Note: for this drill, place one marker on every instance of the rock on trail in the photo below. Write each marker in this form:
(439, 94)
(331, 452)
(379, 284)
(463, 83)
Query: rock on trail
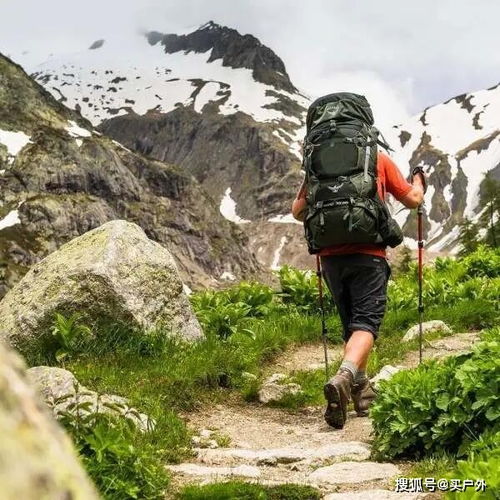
(427, 328)
(352, 473)
(61, 391)
(374, 495)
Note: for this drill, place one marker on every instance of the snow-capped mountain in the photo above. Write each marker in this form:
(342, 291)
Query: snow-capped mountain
(457, 142)
(214, 66)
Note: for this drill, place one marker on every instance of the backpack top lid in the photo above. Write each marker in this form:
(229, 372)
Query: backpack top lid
(339, 106)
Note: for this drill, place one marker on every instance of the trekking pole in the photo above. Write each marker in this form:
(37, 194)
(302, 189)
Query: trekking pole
(324, 330)
(420, 236)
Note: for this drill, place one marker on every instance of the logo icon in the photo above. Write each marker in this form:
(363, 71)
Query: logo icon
(335, 188)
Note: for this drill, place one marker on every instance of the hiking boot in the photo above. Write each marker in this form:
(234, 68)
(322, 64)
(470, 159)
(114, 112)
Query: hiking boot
(363, 395)
(338, 393)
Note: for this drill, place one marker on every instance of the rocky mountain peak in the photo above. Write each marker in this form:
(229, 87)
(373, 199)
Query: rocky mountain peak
(235, 50)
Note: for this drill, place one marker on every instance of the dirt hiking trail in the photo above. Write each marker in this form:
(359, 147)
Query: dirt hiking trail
(274, 446)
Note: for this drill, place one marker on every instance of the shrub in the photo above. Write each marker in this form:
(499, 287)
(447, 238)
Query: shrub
(485, 261)
(439, 407)
(483, 462)
(119, 469)
(259, 297)
(221, 312)
(300, 290)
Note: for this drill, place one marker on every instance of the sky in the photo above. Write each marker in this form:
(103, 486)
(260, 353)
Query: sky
(403, 55)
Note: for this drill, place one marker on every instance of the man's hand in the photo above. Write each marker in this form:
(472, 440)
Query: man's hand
(419, 185)
(418, 173)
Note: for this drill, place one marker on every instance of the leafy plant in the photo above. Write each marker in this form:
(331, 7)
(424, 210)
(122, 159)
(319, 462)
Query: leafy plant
(68, 333)
(483, 463)
(221, 312)
(484, 261)
(300, 290)
(440, 407)
(106, 447)
(259, 297)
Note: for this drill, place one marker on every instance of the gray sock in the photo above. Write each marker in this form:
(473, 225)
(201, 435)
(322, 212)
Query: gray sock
(350, 366)
(360, 376)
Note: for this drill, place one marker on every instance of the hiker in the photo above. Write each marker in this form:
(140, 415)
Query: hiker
(347, 224)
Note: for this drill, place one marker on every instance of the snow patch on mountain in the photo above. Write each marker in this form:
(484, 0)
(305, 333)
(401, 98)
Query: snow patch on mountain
(14, 142)
(277, 254)
(11, 219)
(285, 219)
(456, 142)
(228, 208)
(75, 130)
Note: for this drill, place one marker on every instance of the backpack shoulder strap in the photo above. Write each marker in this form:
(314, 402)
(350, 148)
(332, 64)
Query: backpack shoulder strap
(383, 142)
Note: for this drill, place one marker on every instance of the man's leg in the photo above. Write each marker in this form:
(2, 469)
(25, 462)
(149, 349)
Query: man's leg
(357, 351)
(358, 348)
(338, 394)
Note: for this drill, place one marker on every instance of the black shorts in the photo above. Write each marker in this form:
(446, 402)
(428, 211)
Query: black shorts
(358, 283)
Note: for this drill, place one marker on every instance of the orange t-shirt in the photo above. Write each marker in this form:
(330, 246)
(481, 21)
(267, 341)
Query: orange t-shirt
(389, 180)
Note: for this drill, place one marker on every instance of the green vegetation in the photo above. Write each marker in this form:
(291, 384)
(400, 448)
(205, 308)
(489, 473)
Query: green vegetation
(300, 290)
(246, 326)
(237, 490)
(483, 462)
(440, 407)
(68, 334)
(486, 230)
(118, 468)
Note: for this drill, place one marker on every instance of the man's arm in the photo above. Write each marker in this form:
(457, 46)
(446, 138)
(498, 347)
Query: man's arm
(299, 204)
(410, 195)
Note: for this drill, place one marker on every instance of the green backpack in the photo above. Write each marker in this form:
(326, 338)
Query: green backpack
(340, 162)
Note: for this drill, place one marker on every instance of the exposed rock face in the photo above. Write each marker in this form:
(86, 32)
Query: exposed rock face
(112, 273)
(220, 151)
(37, 458)
(235, 50)
(61, 391)
(66, 179)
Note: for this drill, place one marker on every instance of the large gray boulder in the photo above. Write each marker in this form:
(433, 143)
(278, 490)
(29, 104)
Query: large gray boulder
(37, 459)
(112, 273)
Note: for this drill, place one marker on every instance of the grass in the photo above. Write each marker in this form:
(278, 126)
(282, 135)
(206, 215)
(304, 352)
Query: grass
(162, 376)
(436, 466)
(238, 490)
